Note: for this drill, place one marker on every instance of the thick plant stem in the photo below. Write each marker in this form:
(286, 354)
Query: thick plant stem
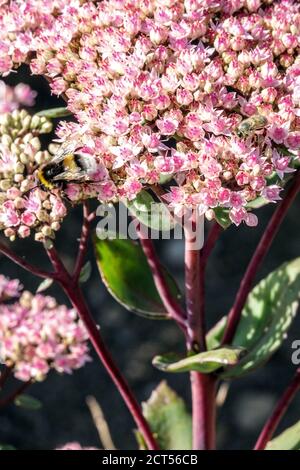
(260, 252)
(204, 410)
(75, 295)
(279, 411)
(194, 292)
(171, 304)
(202, 386)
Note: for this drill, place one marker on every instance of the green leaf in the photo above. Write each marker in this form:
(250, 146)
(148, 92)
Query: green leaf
(214, 336)
(222, 217)
(152, 214)
(169, 419)
(53, 113)
(6, 447)
(85, 273)
(288, 440)
(44, 285)
(270, 309)
(28, 402)
(205, 362)
(258, 203)
(125, 272)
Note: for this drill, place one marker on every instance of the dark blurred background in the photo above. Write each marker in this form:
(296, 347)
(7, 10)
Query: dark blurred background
(134, 341)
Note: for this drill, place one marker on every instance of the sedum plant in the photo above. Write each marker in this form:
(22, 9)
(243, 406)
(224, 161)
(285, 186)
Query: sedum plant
(184, 111)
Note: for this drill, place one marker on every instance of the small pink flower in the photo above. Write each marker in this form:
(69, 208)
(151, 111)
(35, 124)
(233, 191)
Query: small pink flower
(272, 193)
(278, 133)
(28, 218)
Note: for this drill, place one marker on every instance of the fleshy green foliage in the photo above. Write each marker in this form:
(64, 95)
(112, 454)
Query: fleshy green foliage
(288, 440)
(53, 113)
(258, 203)
(126, 274)
(222, 217)
(152, 214)
(28, 402)
(169, 419)
(205, 362)
(214, 336)
(266, 318)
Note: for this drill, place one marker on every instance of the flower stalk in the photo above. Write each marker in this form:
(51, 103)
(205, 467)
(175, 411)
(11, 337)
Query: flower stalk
(70, 285)
(278, 413)
(202, 386)
(258, 257)
(171, 304)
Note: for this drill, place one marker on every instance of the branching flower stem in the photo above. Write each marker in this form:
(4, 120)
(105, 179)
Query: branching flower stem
(70, 285)
(256, 261)
(84, 239)
(279, 411)
(24, 264)
(171, 304)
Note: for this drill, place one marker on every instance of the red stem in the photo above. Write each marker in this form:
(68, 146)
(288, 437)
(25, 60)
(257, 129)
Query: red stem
(172, 306)
(194, 291)
(204, 410)
(279, 411)
(203, 386)
(75, 295)
(260, 252)
(212, 238)
(73, 291)
(11, 398)
(24, 264)
(83, 244)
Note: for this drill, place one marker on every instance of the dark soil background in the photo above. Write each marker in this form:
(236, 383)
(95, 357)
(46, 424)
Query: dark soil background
(134, 341)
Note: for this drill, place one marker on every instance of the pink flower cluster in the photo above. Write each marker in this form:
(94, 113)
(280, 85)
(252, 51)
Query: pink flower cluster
(37, 335)
(161, 87)
(12, 98)
(24, 207)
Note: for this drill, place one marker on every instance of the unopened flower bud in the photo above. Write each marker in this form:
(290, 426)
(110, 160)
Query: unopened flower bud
(35, 122)
(5, 185)
(47, 231)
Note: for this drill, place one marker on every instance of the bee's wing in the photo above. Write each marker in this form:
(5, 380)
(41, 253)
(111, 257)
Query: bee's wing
(65, 149)
(72, 176)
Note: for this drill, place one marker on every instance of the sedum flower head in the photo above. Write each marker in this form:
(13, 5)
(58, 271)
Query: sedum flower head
(37, 334)
(24, 207)
(162, 87)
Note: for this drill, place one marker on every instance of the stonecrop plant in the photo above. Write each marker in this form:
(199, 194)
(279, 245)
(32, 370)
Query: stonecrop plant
(181, 110)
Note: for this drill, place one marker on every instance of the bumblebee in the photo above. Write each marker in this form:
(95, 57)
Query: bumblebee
(67, 166)
(253, 123)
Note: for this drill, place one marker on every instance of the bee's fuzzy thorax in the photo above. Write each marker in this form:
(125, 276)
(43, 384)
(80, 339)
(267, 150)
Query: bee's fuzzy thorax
(44, 182)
